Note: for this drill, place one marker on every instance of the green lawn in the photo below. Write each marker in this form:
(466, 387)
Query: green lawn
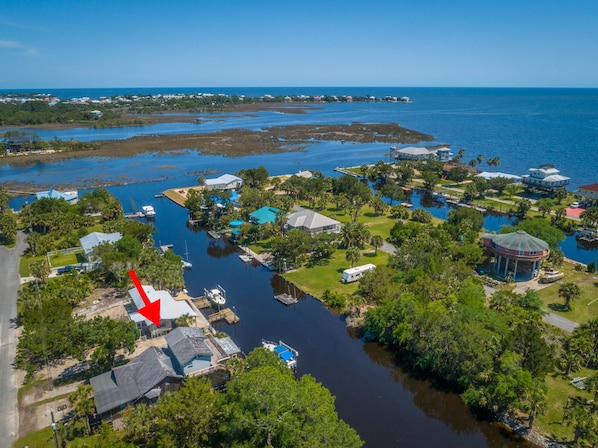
(583, 309)
(317, 279)
(559, 389)
(65, 259)
(37, 439)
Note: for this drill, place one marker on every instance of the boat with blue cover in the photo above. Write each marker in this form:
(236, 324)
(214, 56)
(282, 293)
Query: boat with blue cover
(284, 351)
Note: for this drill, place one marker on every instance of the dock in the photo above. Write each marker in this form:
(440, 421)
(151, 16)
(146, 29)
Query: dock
(285, 298)
(226, 314)
(133, 215)
(338, 169)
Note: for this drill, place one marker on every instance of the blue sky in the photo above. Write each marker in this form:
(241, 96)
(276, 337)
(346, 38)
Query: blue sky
(221, 43)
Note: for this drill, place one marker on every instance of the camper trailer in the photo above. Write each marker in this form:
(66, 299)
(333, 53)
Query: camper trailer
(354, 274)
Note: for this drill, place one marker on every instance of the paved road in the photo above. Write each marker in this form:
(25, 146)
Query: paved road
(561, 322)
(9, 283)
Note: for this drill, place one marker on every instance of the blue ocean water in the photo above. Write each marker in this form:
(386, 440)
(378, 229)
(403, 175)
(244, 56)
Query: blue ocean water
(523, 127)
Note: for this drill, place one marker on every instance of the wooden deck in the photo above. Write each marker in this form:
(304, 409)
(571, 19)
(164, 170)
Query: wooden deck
(226, 314)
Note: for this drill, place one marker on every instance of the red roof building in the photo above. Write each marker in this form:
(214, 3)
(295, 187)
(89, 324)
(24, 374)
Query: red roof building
(589, 191)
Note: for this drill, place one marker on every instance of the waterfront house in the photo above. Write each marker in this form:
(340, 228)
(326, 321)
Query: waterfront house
(264, 215)
(17, 143)
(517, 255)
(546, 178)
(189, 349)
(170, 311)
(143, 380)
(312, 222)
(487, 175)
(94, 239)
(68, 196)
(224, 182)
(589, 192)
(197, 354)
(420, 153)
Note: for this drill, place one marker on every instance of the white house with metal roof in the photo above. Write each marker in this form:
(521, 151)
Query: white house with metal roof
(89, 242)
(224, 182)
(547, 177)
(170, 310)
(312, 222)
(420, 153)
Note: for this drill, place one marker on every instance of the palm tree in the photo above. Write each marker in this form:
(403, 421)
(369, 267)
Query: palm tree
(83, 403)
(568, 292)
(480, 158)
(376, 241)
(353, 255)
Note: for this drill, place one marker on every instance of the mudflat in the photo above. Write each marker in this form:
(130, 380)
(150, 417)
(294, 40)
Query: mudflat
(237, 142)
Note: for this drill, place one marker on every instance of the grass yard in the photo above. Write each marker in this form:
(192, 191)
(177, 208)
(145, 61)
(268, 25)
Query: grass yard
(583, 309)
(559, 389)
(66, 259)
(37, 439)
(317, 279)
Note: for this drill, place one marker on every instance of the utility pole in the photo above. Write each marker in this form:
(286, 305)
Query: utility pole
(54, 428)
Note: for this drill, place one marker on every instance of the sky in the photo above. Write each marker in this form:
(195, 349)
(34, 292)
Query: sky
(234, 43)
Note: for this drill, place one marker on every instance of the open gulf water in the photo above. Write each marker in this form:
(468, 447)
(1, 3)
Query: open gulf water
(523, 127)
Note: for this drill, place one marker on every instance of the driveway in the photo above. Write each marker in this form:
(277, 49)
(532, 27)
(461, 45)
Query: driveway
(9, 283)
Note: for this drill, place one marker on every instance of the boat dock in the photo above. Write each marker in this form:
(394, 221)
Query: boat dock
(287, 299)
(133, 215)
(226, 314)
(338, 169)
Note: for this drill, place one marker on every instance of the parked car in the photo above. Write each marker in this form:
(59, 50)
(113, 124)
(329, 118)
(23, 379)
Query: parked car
(575, 204)
(69, 268)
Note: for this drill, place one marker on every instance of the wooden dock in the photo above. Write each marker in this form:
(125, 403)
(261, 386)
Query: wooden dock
(226, 314)
(133, 215)
(338, 169)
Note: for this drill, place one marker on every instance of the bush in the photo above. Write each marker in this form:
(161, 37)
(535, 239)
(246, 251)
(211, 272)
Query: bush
(334, 300)
(591, 267)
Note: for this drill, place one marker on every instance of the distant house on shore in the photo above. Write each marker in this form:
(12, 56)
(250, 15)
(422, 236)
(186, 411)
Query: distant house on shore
(589, 192)
(68, 196)
(224, 182)
(420, 153)
(312, 222)
(17, 143)
(546, 178)
(487, 175)
(264, 215)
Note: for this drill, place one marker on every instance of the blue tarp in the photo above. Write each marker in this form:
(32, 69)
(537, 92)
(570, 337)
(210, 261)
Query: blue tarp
(284, 353)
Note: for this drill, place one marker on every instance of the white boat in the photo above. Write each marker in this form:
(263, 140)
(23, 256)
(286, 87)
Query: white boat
(551, 275)
(186, 263)
(148, 211)
(217, 295)
(285, 352)
(246, 258)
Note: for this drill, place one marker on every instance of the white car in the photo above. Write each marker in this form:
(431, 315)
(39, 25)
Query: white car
(575, 205)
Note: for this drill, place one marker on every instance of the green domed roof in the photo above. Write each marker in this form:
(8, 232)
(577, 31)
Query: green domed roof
(519, 241)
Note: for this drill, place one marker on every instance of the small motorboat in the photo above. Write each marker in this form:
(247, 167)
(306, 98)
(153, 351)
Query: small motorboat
(148, 211)
(285, 352)
(551, 275)
(216, 295)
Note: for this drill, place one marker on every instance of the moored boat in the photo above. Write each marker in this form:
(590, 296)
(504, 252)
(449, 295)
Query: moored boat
(284, 351)
(148, 211)
(216, 295)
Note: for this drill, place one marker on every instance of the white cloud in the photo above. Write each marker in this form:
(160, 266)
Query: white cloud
(18, 47)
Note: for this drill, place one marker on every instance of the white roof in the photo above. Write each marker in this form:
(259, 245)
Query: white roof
(365, 267)
(310, 220)
(415, 150)
(491, 175)
(224, 179)
(169, 308)
(96, 238)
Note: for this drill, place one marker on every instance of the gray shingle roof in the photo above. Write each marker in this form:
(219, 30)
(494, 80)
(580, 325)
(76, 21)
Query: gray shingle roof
(132, 381)
(309, 220)
(519, 241)
(186, 343)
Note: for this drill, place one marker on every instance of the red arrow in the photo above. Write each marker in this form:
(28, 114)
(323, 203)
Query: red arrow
(151, 310)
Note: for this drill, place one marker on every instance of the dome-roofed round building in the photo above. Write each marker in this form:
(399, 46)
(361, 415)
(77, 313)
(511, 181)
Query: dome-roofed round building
(522, 253)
